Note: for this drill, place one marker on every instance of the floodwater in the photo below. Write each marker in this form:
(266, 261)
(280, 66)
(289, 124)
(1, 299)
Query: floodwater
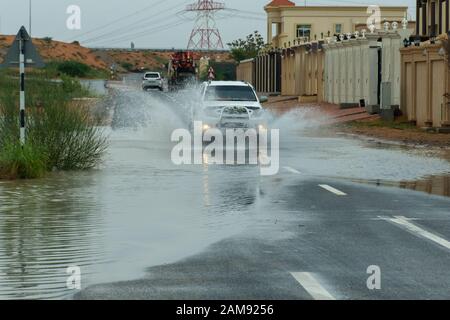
(139, 210)
(96, 86)
(437, 185)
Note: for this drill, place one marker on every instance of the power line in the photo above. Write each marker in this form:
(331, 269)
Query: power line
(145, 32)
(250, 18)
(239, 16)
(245, 12)
(152, 6)
(137, 36)
(129, 33)
(29, 18)
(135, 25)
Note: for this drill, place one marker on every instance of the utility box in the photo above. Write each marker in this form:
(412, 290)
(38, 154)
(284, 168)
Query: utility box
(386, 96)
(387, 110)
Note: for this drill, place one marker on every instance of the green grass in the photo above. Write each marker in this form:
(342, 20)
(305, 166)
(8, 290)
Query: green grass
(60, 133)
(22, 162)
(57, 69)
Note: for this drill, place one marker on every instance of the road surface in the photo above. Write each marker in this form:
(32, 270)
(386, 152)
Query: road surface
(140, 227)
(306, 236)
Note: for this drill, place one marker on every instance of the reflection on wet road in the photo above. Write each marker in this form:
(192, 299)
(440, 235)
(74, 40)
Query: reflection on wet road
(45, 226)
(140, 210)
(437, 185)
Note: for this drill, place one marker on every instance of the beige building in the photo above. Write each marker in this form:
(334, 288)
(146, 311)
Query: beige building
(425, 85)
(432, 17)
(287, 22)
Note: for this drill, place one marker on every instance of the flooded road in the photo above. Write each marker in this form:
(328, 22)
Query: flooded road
(140, 210)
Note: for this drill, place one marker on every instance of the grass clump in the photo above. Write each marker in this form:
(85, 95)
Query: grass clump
(74, 69)
(60, 132)
(21, 162)
(127, 66)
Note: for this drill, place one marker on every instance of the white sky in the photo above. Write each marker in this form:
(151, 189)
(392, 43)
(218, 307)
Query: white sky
(155, 21)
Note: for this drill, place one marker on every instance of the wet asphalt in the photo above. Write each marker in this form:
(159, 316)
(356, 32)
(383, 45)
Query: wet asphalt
(140, 227)
(305, 229)
(305, 220)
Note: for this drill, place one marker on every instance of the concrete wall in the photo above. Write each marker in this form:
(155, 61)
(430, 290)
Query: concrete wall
(302, 71)
(352, 69)
(425, 85)
(245, 71)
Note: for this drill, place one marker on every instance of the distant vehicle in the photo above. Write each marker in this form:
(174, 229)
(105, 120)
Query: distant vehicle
(230, 104)
(182, 70)
(152, 80)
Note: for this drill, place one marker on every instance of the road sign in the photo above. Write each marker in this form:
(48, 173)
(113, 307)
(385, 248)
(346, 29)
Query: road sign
(32, 57)
(23, 54)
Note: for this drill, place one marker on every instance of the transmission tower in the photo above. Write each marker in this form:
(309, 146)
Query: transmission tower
(205, 35)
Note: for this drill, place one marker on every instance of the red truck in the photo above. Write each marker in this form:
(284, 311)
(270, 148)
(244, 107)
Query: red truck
(182, 69)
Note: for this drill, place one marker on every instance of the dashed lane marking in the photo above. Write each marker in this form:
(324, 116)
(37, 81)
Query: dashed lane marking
(312, 286)
(405, 223)
(332, 190)
(292, 170)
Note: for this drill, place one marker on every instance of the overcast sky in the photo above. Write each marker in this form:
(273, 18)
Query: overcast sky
(148, 23)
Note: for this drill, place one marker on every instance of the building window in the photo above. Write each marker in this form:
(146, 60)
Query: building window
(303, 30)
(338, 28)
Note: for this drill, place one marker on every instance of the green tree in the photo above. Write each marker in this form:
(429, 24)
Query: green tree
(248, 48)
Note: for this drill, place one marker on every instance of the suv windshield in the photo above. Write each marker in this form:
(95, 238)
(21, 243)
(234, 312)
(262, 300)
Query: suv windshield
(230, 93)
(152, 76)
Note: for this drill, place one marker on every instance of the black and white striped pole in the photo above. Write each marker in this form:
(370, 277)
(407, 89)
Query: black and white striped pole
(22, 91)
(24, 49)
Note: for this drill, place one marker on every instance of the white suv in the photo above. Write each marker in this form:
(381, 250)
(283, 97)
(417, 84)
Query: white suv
(152, 80)
(230, 104)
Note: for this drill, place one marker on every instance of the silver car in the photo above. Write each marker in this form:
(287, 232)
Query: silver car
(230, 104)
(152, 80)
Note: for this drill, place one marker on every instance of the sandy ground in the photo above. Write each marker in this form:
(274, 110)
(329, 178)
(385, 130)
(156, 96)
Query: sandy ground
(56, 50)
(410, 137)
(100, 59)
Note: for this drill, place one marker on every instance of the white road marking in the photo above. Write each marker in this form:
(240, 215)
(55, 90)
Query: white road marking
(332, 190)
(292, 170)
(310, 284)
(386, 218)
(403, 222)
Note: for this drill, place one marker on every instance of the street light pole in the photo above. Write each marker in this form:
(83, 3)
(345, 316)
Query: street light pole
(29, 18)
